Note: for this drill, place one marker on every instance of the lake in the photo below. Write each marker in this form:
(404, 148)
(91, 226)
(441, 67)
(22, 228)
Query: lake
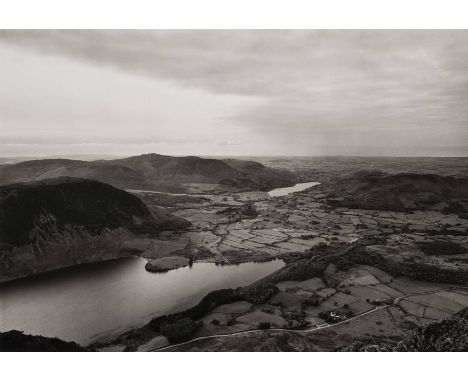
(289, 190)
(89, 301)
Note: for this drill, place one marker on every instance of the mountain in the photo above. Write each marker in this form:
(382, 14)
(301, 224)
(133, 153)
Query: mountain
(154, 172)
(267, 177)
(179, 169)
(399, 192)
(60, 222)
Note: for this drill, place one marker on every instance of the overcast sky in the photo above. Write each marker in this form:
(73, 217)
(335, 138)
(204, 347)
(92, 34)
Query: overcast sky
(399, 93)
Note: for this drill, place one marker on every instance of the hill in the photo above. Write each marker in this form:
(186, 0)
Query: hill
(399, 192)
(267, 177)
(450, 335)
(118, 176)
(16, 341)
(154, 172)
(60, 222)
(33, 169)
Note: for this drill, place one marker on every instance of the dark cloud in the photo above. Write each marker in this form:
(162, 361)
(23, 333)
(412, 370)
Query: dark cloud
(401, 91)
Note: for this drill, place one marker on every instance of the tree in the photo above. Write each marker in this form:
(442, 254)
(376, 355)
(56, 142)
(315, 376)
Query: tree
(264, 325)
(249, 209)
(180, 329)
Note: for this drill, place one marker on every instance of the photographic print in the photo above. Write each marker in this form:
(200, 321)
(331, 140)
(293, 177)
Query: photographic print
(233, 190)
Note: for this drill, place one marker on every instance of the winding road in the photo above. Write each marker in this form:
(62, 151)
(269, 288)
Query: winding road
(310, 330)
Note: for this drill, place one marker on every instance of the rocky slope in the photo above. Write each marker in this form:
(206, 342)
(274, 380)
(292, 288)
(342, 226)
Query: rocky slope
(65, 221)
(153, 172)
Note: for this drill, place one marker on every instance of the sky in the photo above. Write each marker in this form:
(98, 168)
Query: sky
(238, 92)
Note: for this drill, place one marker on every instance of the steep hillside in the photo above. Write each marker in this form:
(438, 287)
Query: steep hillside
(64, 221)
(153, 172)
(266, 177)
(398, 192)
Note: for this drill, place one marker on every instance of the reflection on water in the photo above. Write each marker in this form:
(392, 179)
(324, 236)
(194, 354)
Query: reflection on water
(289, 190)
(87, 301)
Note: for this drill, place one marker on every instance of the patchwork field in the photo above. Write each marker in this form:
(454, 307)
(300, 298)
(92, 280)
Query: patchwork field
(351, 274)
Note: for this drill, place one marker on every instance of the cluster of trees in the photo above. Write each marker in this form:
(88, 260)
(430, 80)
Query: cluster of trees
(179, 330)
(378, 302)
(299, 270)
(457, 208)
(343, 264)
(414, 270)
(180, 326)
(208, 303)
(313, 300)
(264, 325)
(259, 293)
(334, 316)
(249, 209)
(441, 247)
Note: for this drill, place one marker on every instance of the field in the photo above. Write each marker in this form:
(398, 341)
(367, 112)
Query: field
(384, 273)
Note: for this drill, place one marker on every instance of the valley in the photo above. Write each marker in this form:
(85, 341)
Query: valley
(366, 261)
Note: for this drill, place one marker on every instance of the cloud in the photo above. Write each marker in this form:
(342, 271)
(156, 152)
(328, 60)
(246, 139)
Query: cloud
(316, 92)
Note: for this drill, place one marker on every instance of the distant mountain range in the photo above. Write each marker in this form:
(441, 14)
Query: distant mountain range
(154, 172)
(60, 222)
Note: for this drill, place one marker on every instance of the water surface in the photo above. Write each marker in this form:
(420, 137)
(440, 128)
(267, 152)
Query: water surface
(289, 190)
(89, 301)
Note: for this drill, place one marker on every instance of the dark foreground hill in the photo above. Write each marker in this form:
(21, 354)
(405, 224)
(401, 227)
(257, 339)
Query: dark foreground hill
(449, 335)
(16, 341)
(399, 192)
(153, 172)
(65, 221)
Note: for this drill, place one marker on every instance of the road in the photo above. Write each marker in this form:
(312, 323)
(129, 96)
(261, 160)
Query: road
(310, 330)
